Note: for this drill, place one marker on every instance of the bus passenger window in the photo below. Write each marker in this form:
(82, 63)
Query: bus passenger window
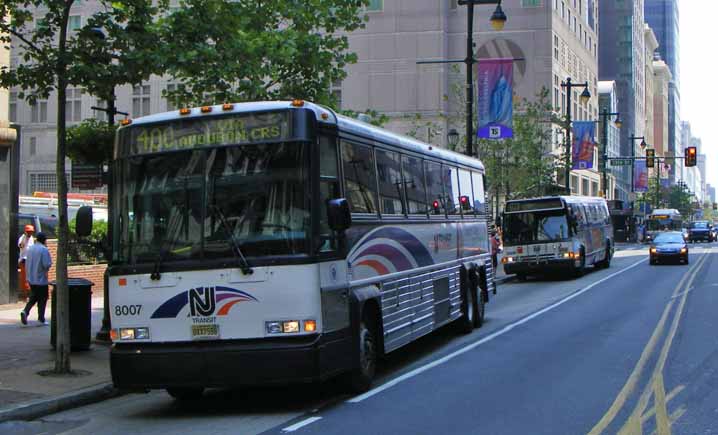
(328, 189)
(451, 187)
(434, 188)
(479, 202)
(359, 177)
(391, 186)
(413, 172)
(466, 191)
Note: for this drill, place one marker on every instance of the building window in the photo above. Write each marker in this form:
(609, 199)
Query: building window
(171, 87)
(555, 47)
(43, 182)
(140, 100)
(584, 187)
(73, 105)
(74, 22)
(453, 4)
(12, 110)
(375, 6)
(530, 3)
(336, 91)
(99, 114)
(574, 184)
(38, 111)
(33, 146)
(563, 10)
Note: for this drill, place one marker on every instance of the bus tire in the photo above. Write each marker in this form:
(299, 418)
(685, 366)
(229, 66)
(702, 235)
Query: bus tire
(185, 393)
(362, 376)
(467, 321)
(606, 262)
(578, 271)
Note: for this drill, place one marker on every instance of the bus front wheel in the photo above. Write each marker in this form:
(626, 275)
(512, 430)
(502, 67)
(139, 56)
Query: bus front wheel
(362, 375)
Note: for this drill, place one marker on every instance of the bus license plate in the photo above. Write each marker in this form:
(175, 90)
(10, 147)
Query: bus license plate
(205, 331)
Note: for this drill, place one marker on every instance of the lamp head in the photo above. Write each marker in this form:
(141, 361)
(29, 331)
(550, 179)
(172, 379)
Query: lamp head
(453, 137)
(643, 143)
(585, 96)
(618, 123)
(498, 18)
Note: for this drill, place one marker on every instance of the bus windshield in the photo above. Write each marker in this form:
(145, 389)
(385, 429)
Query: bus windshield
(203, 204)
(533, 227)
(662, 224)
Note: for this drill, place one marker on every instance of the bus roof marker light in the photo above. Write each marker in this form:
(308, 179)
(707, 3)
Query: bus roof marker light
(126, 121)
(297, 103)
(206, 109)
(324, 116)
(185, 111)
(227, 106)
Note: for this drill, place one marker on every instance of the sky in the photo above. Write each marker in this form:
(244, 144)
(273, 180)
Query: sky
(699, 68)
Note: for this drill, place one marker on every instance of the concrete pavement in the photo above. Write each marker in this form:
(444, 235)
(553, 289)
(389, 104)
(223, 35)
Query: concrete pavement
(25, 351)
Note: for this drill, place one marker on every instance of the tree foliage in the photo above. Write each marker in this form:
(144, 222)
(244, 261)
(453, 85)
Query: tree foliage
(90, 141)
(220, 51)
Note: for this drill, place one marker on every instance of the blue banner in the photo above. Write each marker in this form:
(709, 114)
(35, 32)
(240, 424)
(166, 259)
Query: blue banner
(640, 176)
(583, 144)
(495, 79)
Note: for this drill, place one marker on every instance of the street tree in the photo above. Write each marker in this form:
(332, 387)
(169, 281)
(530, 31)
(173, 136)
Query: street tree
(219, 51)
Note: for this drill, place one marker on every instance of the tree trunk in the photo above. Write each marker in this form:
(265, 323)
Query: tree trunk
(62, 350)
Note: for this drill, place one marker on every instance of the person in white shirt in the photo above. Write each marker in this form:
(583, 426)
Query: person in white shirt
(38, 263)
(24, 243)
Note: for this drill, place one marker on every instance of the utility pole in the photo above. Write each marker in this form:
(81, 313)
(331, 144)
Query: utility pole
(605, 114)
(585, 96)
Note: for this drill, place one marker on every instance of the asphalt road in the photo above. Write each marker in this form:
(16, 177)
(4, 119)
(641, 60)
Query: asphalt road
(629, 349)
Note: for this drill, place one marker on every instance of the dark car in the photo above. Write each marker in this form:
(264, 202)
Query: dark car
(700, 231)
(668, 246)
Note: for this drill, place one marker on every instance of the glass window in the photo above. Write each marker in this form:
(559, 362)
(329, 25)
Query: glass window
(540, 226)
(359, 177)
(328, 189)
(375, 5)
(391, 186)
(477, 180)
(140, 100)
(434, 188)
(74, 22)
(257, 200)
(466, 191)
(451, 187)
(413, 172)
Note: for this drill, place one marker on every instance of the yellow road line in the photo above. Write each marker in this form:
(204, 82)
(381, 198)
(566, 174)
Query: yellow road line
(673, 393)
(635, 375)
(663, 426)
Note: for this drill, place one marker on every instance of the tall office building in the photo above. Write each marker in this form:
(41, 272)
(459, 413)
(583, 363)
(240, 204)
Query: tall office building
(550, 40)
(621, 54)
(619, 178)
(663, 17)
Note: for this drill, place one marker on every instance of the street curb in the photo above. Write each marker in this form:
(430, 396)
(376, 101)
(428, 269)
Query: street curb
(42, 407)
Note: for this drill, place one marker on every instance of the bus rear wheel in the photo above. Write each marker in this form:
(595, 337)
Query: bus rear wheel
(467, 321)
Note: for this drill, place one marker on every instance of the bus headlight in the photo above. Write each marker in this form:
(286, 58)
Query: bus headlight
(653, 250)
(684, 250)
(282, 326)
(134, 333)
(507, 260)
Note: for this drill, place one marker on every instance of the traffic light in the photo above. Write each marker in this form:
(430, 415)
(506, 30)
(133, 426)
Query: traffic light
(691, 156)
(650, 157)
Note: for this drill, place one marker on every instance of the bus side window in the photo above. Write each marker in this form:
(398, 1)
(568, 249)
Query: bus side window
(391, 186)
(479, 200)
(359, 177)
(328, 189)
(434, 188)
(466, 197)
(451, 188)
(413, 172)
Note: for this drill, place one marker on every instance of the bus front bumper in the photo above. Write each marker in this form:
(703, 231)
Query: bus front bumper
(143, 366)
(528, 267)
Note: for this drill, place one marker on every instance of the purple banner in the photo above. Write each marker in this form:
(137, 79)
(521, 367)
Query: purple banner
(583, 144)
(495, 98)
(640, 176)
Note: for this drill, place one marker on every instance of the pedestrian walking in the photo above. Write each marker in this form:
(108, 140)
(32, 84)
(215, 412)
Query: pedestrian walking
(38, 263)
(24, 242)
(495, 242)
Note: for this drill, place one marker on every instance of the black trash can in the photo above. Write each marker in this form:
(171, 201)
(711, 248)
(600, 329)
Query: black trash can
(80, 313)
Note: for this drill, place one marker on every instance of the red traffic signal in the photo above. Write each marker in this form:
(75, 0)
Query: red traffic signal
(650, 157)
(435, 205)
(691, 156)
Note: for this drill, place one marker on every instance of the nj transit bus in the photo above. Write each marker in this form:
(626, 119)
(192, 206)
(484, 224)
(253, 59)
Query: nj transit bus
(277, 242)
(556, 233)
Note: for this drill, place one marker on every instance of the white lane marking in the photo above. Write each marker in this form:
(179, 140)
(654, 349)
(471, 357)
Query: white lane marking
(301, 424)
(488, 338)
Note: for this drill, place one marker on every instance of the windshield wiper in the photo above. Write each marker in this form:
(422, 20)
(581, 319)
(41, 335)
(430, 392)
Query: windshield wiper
(155, 275)
(243, 263)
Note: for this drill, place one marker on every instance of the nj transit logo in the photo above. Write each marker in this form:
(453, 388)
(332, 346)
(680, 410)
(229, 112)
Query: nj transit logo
(203, 302)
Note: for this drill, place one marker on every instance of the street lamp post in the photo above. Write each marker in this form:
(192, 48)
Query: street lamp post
(605, 114)
(633, 139)
(585, 96)
(498, 19)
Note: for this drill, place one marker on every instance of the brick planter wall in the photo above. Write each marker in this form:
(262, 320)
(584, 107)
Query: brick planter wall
(92, 272)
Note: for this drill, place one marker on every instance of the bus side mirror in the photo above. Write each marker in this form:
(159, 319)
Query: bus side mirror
(83, 221)
(338, 214)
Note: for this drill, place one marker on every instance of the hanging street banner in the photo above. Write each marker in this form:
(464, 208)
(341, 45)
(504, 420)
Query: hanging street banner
(583, 144)
(640, 176)
(495, 98)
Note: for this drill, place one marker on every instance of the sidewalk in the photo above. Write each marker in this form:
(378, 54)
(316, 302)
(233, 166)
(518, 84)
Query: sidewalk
(25, 350)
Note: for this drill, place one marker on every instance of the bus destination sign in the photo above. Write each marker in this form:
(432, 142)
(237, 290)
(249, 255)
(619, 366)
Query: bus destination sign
(202, 132)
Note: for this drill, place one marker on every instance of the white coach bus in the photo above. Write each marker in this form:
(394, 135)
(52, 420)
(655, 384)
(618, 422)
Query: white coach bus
(565, 233)
(278, 242)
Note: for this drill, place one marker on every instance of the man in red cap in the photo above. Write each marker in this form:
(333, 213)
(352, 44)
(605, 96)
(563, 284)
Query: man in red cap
(25, 241)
